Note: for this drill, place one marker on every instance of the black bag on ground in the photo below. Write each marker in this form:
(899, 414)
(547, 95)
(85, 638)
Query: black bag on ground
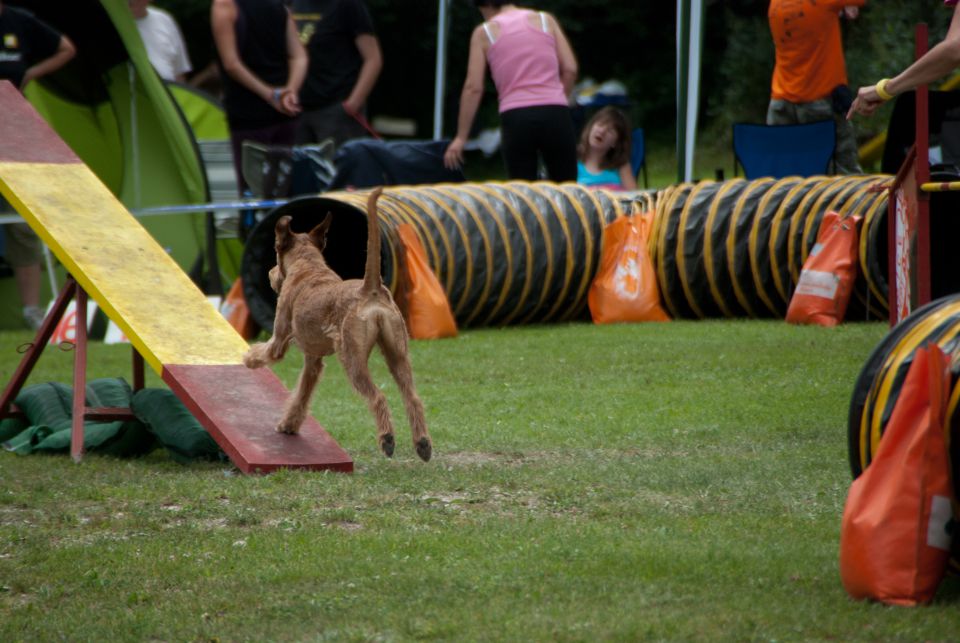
(367, 162)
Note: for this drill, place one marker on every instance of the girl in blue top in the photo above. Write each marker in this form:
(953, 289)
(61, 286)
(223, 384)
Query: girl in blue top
(604, 152)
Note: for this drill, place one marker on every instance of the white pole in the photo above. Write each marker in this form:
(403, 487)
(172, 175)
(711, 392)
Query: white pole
(681, 97)
(693, 84)
(48, 260)
(443, 25)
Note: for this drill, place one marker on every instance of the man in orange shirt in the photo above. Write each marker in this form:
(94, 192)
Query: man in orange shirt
(810, 75)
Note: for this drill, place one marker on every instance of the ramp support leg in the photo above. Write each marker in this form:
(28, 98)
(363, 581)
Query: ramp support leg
(81, 412)
(79, 377)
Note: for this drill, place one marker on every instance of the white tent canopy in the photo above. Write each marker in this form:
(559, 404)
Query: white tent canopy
(689, 44)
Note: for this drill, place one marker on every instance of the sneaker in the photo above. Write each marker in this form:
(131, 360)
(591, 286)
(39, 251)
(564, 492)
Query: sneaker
(34, 316)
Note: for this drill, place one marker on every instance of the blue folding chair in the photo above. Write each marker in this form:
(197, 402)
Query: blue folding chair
(777, 151)
(638, 154)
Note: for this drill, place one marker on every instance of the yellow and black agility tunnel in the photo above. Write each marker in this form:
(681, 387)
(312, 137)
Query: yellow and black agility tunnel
(736, 248)
(506, 253)
(526, 252)
(878, 386)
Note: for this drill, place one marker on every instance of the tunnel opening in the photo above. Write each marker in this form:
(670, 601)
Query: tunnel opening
(346, 251)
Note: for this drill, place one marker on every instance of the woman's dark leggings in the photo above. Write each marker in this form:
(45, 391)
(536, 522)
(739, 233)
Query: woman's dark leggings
(547, 130)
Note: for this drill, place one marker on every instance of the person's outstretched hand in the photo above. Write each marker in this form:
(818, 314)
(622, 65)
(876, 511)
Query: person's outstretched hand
(453, 157)
(866, 102)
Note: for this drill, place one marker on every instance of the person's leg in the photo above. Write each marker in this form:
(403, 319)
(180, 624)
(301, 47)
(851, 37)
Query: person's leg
(329, 122)
(518, 146)
(25, 254)
(845, 155)
(305, 134)
(558, 143)
(237, 137)
(28, 284)
(283, 133)
(781, 112)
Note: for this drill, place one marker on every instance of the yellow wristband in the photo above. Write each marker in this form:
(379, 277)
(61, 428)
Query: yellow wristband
(881, 88)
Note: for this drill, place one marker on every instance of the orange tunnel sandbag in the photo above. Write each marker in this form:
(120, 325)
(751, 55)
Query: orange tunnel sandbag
(881, 379)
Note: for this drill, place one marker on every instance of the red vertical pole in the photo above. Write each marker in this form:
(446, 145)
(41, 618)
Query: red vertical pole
(138, 374)
(923, 176)
(79, 377)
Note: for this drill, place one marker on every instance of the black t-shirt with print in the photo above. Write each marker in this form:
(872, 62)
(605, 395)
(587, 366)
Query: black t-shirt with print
(328, 29)
(24, 41)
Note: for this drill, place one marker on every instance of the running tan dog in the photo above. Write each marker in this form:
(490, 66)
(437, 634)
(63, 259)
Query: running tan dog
(324, 314)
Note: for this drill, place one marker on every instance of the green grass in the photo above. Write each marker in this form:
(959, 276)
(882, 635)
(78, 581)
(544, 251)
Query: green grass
(679, 481)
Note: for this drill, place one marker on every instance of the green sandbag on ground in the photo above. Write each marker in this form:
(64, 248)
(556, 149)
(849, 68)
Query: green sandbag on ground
(174, 426)
(160, 419)
(48, 408)
(9, 427)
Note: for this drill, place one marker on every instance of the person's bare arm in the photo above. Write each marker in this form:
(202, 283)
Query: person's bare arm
(223, 18)
(470, 98)
(369, 48)
(298, 62)
(65, 52)
(627, 178)
(936, 63)
(568, 60)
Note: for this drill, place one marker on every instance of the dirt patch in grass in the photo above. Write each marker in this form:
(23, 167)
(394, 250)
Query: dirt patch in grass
(484, 458)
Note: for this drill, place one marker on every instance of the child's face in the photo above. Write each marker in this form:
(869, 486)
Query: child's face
(603, 135)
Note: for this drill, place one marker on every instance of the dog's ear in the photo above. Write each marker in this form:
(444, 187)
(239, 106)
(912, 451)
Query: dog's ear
(276, 278)
(319, 233)
(284, 237)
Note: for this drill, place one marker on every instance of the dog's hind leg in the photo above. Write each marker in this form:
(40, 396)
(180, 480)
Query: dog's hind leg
(298, 404)
(394, 348)
(354, 353)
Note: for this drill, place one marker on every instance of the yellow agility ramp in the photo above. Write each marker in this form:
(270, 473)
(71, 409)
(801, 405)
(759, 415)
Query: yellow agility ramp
(165, 316)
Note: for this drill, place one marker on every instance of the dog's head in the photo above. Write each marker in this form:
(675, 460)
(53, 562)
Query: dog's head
(290, 244)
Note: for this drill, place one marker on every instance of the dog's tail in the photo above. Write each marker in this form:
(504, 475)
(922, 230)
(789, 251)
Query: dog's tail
(371, 274)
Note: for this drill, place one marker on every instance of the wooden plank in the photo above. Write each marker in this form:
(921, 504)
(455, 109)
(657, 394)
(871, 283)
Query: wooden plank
(241, 407)
(24, 136)
(118, 263)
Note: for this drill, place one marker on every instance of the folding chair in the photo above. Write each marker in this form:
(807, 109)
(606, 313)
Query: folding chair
(638, 154)
(777, 151)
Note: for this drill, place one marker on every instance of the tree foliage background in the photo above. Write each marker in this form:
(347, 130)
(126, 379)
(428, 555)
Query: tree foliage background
(633, 42)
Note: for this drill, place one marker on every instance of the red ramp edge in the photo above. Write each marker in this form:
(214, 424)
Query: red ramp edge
(240, 408)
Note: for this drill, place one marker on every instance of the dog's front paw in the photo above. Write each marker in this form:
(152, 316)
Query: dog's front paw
(424, 449)
(254, 358)
(289, 429)
(387, 444)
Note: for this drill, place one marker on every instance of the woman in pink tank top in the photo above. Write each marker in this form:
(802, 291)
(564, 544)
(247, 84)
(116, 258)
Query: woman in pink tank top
(534, 69)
